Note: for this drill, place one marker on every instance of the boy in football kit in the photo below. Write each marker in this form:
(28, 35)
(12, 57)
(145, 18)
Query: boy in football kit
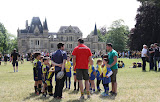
(92, 75)
(68, 66)
(37, 73)
(99, 72)
(45, 70)
(107, 72)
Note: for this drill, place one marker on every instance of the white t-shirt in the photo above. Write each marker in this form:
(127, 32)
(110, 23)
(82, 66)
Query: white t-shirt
(144, 51)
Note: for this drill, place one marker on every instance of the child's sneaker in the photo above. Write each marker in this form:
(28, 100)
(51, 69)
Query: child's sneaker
(88, 96)
(99, 90)
(105, 94)
(44, 95)
(51, 94)
(102, 93)
(82, 97)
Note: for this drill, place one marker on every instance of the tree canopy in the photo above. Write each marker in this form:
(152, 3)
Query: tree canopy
(7, 41)
(147, 26)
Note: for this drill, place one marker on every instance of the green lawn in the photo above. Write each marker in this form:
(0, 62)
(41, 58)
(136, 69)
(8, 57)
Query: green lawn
(133, 86)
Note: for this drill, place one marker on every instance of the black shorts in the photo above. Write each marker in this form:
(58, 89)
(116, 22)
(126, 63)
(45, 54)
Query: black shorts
(82, 74)
(15, 63)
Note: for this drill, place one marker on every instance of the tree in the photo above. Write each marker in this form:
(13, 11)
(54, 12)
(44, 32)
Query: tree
(7, 41)
(147, 26)
(3, 38)
(118, 35)
(157, 2)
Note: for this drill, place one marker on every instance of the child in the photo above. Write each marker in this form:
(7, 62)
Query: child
(107, 72)
(99, 72)
(37, 73)
(134, 65)
(22, 61)
(139, 64)
(5, 59)
(75, 81)
(92, 74)
(119, 64)
(49, 80)
(123, 65)
(45, 71)
(68, 66)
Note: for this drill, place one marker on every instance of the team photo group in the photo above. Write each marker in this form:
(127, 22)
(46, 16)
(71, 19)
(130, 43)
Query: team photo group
(80, 65)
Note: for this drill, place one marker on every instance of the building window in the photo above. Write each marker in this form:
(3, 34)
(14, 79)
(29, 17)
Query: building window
(70, 45)
(23, 42)
(70, 31)
(61, 38)
(31, 43)
(52, 46)
(67, 38)
(37, 42)
(67, 45)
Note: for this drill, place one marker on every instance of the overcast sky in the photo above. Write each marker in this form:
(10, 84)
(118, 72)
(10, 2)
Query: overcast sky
(81, 13)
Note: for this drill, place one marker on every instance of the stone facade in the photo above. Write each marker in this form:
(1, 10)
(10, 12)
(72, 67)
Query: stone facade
(37, 38)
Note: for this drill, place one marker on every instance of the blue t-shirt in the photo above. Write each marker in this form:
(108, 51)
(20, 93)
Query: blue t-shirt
(58, 57)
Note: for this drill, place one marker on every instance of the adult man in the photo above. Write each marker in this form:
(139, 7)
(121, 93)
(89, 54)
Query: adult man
(156, 55)
(151, 54)
(59, 58)
(144, 56)
(81, 57)
(112, 55)
(14, 59)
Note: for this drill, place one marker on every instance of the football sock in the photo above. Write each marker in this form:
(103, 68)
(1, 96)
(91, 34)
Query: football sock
(35, 88)
(75, 85)
(78, 85)
(88, 93)
(39, 88)
(82, 93)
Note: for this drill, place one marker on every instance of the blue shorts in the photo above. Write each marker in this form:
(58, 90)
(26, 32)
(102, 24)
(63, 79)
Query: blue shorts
(68, 74)
(40, 74)
(92, 77)
(15, 63)
(74, 73)
(106, 80)
(35, 79)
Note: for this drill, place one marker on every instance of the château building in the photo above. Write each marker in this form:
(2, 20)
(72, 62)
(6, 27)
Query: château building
(36, 37)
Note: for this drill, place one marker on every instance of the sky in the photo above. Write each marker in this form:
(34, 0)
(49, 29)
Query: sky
(81, 13)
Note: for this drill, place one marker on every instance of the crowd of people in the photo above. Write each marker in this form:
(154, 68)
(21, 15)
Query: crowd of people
(151, 55)
(81, 63)
(129, 54)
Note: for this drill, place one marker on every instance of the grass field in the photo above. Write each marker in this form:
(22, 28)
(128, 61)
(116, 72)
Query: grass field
(133, 86)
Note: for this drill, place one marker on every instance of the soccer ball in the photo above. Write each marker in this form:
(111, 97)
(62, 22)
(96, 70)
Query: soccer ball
(60, 75)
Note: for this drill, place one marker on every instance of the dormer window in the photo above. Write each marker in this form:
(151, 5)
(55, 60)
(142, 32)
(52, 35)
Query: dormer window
(70, 31)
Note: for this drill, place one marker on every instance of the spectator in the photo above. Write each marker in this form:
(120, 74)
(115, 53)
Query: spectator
(14, 59)
(151, 54)
(144, 56)
(156, 55)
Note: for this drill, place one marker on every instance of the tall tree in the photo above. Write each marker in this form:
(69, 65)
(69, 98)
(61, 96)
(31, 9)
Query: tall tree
(147, 26)
(118, 35)
(7, 41)
(3, 39)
